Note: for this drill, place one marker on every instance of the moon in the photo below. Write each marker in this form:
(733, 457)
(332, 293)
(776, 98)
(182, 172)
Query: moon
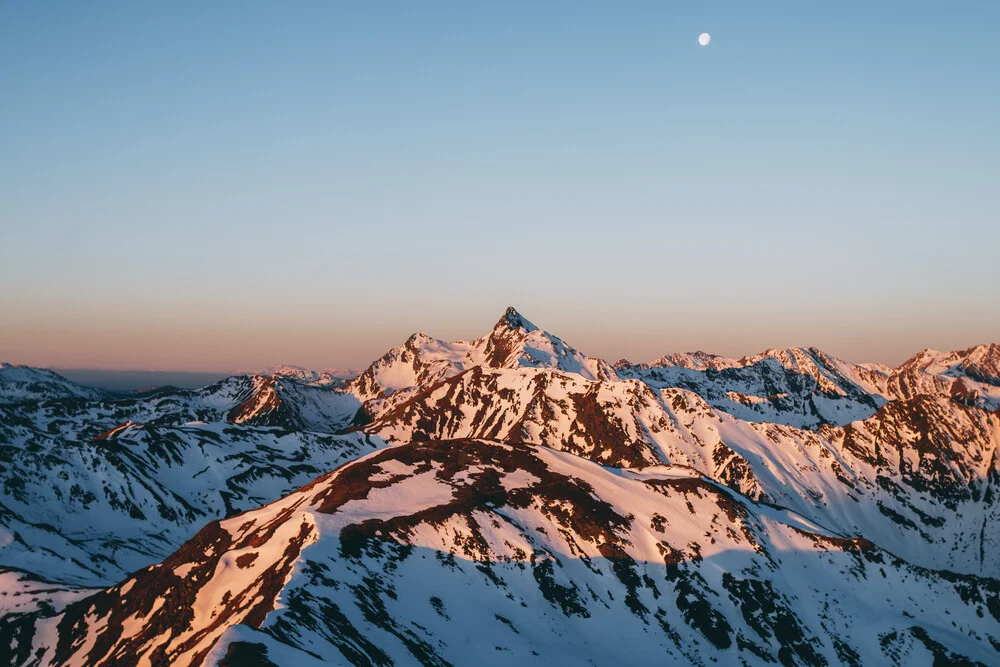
(704, 38)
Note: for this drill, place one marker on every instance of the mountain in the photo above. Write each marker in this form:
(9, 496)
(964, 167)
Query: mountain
(919, 473)
(609, 422)
(87, 511)
(802, 387)
(807, 387)
(255, 400)
(24, 383)
(509, 499)
(973, 374)
(514, 343)
(279, 401)
(453, 552)
(321, 378)
(95, 489)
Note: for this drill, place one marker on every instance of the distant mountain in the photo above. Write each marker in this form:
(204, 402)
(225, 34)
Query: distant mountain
(509, 499)
(89, 511)
(321, 378)
(94, 489)
(973, 373)
(132, 382)
(24, 383)
(802, 387)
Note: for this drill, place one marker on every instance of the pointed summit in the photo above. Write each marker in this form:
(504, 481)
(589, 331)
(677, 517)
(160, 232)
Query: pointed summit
(514, 320)
(517, 343)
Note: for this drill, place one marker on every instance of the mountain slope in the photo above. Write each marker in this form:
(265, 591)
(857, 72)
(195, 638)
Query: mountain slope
(451, 552)
(89, 511)
(973, 374)
(513, 343)
(799, 386)
(328, 377)
(918, 475)
(597, 420)
(24, 383)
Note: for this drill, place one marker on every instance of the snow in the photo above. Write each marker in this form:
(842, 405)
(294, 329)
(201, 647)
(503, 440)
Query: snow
(759, 469)
(518, 479)
(390, 469)
(184, 570)
(798, 386)
(25, 383)
(21, 594)
(466, 626)
(421, 491)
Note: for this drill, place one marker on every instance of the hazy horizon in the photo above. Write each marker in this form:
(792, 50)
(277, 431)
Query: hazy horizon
(202, 187)
(621, 343)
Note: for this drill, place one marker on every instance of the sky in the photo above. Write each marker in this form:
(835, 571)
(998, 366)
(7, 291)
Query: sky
(231, 185)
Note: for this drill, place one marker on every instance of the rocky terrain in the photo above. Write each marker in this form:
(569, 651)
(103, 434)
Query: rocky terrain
(509, 499)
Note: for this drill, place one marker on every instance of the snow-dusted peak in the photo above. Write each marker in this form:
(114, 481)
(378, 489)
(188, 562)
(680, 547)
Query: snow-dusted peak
(513, 320)
(419, 338)
(22, 373)
(420, 361)
(294, 372)
(790, 357)
(514, 342)
(934, 372)
(324, 377)
(517, 343)
(981, 360)
(800, 386)
(696, 360)
(982, 363)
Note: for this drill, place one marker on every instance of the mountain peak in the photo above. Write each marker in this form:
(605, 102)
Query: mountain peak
(418, 337)
(514, 320)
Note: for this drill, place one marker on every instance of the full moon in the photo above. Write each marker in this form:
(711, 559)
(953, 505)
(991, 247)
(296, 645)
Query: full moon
(704, 38)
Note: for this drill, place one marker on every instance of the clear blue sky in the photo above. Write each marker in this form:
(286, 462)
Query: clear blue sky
(214, 185)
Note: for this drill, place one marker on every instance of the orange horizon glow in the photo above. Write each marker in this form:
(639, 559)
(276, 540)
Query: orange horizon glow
(200, 342)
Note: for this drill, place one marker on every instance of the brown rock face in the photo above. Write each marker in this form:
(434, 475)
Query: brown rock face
(963, 393)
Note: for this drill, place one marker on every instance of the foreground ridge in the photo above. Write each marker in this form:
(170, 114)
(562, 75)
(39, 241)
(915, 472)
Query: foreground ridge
(442, 552)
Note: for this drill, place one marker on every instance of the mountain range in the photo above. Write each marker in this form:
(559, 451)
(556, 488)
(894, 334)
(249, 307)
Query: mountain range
(509, 499)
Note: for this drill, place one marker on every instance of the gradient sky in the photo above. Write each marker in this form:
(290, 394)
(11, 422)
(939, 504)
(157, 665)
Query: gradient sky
(221, 185)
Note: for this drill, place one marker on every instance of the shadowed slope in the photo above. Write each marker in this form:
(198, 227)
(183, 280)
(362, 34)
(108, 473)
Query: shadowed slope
(446, 552)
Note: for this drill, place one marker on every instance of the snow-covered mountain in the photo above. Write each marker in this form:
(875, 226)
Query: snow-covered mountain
(807, 387)
(88, 511)
(321, 378)
(24, 383)
(509, 499)
(798, 386)
(95, 489)
(919, 473)
(454, 552)
(514, 343)
(972, 374)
